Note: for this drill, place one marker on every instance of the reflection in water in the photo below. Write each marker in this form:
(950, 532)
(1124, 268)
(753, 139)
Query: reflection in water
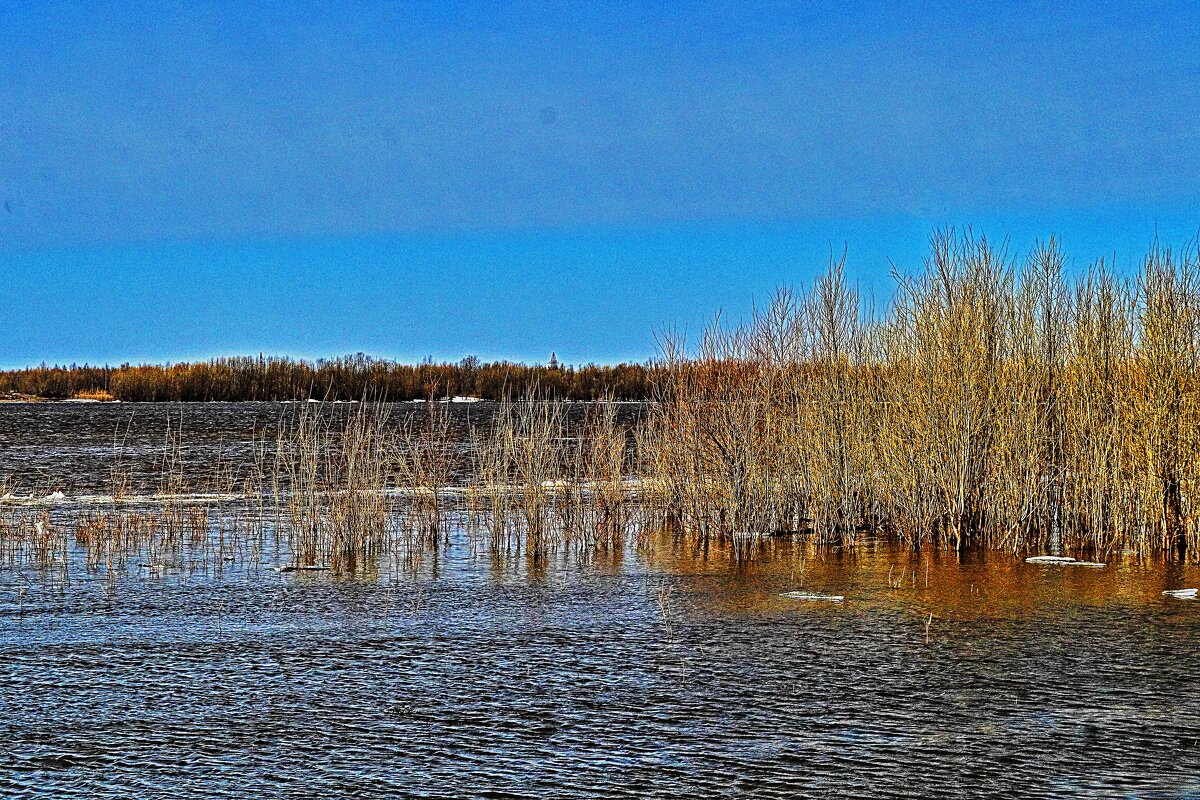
(949, 584)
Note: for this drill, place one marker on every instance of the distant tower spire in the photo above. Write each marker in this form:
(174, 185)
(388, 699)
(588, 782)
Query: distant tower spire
(553, 361)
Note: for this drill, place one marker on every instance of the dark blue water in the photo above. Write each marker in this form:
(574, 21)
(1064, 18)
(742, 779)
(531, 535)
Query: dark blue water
(476, 676)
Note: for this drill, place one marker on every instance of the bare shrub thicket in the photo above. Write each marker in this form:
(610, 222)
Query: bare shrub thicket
(995, 401)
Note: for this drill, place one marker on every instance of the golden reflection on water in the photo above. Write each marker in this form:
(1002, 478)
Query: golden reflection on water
(878, 576)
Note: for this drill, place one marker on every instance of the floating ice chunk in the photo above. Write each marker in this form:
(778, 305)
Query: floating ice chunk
(54, 497)
(1181, 594)
(1065, 561)
(814, 596)
(464, 399)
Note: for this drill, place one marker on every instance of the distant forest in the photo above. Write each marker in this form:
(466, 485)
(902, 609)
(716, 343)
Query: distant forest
(348, 378)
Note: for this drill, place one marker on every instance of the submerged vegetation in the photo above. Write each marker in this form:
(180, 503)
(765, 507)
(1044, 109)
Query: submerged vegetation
(995, 402)
(341, 485)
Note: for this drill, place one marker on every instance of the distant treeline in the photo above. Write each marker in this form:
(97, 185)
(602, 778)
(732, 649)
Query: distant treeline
(348, 378)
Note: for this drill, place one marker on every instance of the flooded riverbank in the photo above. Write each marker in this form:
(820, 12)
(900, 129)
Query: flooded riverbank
(652, 668)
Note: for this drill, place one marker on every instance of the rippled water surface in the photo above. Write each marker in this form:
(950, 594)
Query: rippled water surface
(73, 447)
(651, 671)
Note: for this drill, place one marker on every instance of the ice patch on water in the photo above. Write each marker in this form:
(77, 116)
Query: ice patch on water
(58, 498)
(814, 596)
(1065, 561)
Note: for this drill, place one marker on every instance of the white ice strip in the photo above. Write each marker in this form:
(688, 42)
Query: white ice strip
(60, 499)
(1181, 594)
(1065, 561)
(630, 486)
(814, 596)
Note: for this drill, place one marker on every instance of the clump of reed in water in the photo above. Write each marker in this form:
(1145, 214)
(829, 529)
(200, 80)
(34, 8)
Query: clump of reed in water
(345, 485)
(33, 538)
(518, 465)
(538, 481)
(336, 473)
(994, 402)
(425, 458)
(601, 504)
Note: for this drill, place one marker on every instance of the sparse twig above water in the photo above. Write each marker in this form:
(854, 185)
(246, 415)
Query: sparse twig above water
(662, 598)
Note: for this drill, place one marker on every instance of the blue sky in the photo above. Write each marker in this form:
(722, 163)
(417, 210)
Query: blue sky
(507, 179)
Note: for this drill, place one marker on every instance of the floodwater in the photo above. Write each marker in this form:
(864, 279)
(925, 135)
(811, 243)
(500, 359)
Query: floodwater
(653, 670)
(73, 447)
